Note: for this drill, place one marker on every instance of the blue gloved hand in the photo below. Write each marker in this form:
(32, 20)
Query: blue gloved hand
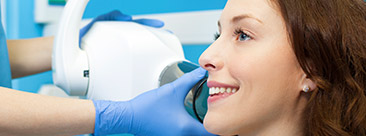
(118, 16)
(159, 112)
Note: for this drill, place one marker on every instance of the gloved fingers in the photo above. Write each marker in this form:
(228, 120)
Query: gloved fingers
(114, 15)
(150, 22)
(183, 84)
(83, 31)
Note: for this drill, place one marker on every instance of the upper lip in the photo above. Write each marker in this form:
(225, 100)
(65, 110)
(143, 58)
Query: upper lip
(218, 84)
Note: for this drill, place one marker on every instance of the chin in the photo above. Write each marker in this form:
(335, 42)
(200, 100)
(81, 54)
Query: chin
(210, 127)
(215, 126)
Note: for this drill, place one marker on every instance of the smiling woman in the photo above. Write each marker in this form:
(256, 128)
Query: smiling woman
(297, 68)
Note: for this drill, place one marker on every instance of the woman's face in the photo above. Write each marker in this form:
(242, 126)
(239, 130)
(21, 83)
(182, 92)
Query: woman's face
(252, 55)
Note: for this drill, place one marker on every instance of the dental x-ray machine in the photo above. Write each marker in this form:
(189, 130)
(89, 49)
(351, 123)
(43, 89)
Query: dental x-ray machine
(118, 60)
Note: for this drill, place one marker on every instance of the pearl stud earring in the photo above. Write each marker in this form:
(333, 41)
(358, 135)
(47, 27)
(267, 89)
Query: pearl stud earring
(306, 88)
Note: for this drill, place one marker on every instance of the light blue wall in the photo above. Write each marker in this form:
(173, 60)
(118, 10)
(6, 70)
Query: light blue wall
(20, 20)
(20, 24)
(134, 7)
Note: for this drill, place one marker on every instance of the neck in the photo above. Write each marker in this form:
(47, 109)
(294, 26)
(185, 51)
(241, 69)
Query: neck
(284, 127)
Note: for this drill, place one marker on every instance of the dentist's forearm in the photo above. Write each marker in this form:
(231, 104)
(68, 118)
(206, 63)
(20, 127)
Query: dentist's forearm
(30, 56)
(24, 113)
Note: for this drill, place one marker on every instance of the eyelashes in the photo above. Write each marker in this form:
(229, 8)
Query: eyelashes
(239, 35)
(216, 36)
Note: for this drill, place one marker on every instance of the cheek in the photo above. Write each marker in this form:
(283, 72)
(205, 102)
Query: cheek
(265, 65)
(267, 76)
(267, 80)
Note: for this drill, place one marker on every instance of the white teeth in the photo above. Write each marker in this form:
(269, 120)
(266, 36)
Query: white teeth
(228, 90)
(216, 90)
(222, 90)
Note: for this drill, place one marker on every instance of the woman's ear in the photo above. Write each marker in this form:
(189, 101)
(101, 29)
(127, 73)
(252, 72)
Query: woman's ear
(307, 84)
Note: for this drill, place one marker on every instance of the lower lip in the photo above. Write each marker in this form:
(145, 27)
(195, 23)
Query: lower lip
(217, 97)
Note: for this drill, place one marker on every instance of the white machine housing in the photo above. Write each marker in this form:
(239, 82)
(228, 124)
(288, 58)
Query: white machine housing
(116, 61)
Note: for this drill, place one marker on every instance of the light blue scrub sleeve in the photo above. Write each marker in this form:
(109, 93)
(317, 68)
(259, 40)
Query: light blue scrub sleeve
(5, 74)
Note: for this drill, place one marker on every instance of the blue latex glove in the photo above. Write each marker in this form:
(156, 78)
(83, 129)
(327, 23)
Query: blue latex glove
(158, 112)
(118, 16)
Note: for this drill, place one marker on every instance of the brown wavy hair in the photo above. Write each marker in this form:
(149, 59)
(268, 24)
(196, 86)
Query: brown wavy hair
(329, 41)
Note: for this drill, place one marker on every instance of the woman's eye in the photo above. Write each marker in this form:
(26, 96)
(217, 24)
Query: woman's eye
(242, 36)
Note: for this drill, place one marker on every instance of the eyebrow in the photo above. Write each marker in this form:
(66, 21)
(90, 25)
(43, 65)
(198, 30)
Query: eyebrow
(240, 17)
(244, 16)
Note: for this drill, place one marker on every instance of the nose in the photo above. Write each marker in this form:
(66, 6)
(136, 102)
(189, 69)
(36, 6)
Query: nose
(211, 59)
